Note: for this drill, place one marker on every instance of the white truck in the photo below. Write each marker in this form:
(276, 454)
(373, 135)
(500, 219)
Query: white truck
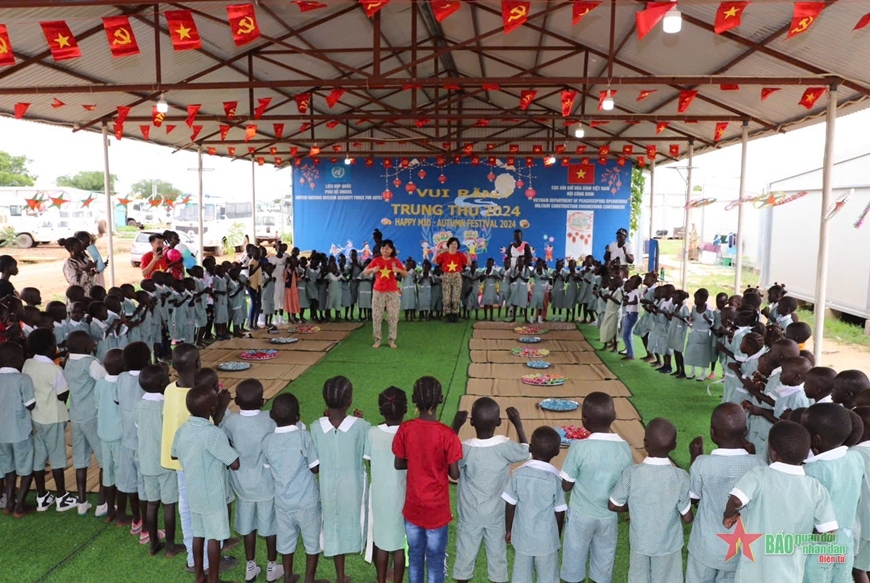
(224, 223)
(49, 219)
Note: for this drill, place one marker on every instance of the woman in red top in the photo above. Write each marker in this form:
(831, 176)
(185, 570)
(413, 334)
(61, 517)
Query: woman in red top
(386, 292)
(452, 263)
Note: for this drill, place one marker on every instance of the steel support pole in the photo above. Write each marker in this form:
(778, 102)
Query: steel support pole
(652, 204)
(110, 211)
(822, 264)
(253, 238)
(738, 263)
(684, 271)
(201, 202)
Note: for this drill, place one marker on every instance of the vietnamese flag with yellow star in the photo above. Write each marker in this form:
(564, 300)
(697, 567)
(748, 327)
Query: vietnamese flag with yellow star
(182, 30)
(720, 130)
(728, 16)
(810, 96)
(61, 41)
(119, 33)
(686, 99)
(581, 174)
(6, 55)
(243, 23)
(568, 98)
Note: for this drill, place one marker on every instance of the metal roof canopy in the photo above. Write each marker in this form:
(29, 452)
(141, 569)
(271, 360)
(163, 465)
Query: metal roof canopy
(377, 59)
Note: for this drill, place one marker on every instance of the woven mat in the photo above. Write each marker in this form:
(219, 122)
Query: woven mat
(503, 357)
(490, 334)
(551, 345)
(512, 325)
(573, 372)
(570, 390)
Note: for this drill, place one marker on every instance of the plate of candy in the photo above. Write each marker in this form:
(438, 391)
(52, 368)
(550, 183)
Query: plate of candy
(259, 354)
(234, 366)
(558, 405)
(544, 380)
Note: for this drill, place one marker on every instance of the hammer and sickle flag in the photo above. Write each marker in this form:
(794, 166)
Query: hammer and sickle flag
(568, 98)
(372, 7)
(514, 14)
(303, 101)
(805, 14)
(444, 8)
(119, 33)
(6, 55)
(243, 23)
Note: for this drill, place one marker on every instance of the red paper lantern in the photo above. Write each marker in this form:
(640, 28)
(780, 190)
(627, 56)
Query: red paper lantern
(530, 193)
(411, 187)
(421, 174)
(387, 195)
(397, 183)
(490, 176)
(520, 183)
(442, 179)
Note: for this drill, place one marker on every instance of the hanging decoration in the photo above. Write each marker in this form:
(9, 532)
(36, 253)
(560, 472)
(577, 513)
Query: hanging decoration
(243, 23)
(21, 109)
(169, 129)
(334, 96)
(568, 98)
(810, 96)
(864, 21)
(303, 101)
(526, 98)
(61, 41)
(686, 99)
(644, 93)
(307, 6)
(729, 87)
(7, 57)
(118, 130)
(372, 7)
(250, 132)
(650, 16)
(262, 105)
(56, 103)
(196, 129)
(728, 16)
(700, 202)
(674, 150)
(278, 129)
(581, 9)
(805, 14)
(230, 109)
(767, 92)
(839, 204)
(444, 8)
(514, 13)
(119, 33)
(735, 203)
(602, 95)
(651, 152)
(720, 130)
(145, 130)
(182, 30)
(192, 110)
(87, 202)
(662, 126)
(862, 216)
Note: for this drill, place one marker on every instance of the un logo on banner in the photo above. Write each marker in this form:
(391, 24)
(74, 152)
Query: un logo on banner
(338, 173)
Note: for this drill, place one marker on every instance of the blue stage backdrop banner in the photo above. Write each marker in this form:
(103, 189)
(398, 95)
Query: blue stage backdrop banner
(564, 211)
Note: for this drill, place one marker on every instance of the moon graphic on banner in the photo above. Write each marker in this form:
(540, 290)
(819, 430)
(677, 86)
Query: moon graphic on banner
(505, 184)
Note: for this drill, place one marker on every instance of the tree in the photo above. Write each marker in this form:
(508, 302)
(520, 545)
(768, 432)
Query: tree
(13, 170)
(144, 189)
(638, 181)
(90, 180)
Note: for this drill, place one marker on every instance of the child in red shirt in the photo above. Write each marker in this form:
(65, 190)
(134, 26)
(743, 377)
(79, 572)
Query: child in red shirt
(430, 451)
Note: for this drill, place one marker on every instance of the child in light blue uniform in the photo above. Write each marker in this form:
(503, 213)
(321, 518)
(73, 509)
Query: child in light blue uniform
(252, 482)
(862, 544)
(535, 511)
(657, 495)
(129, 478)
(16, 441)
(81, 372)
(698, 345)
(591, 470)
(678, 329)
(291, 458)
(109, 425)
(484, 474)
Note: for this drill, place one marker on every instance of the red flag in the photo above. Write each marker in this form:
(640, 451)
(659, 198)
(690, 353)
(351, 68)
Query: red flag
(231, 151)
(304, 127)
(581, 9)
(145, 129)
(628, 150)
(768, 91)
(566, 161)
(303, 100)
(6, 55)
(581, 174)
(686, 99)
(212, 151)
(225, 129)
(651, 152)
(331, 124)
(196, 130)
(260, 161)
(530, 162)
(482, 123)
(372, 7)
(810, 96)
(452, 87)
(598, 123)
(278, 161)
(661, 126)
(333, 97)
(169, 129)
(720, 130)
(644, 93)
(621, 160)
(602, 160)
(514, 13)
(526, 98)
(91, 107)
(21, 109)
(865, 20)
(61, 41)
(728, 16)
(230, 109)
(422, 122)
(537, 149)
(674, 150)
(604, 151)
(156, 117)
(262, 105)
(119, 33)
(560, 148)
(192, 110)
(728, 87)
(805, 14)
(641, 162)
(580, 150)
(182, 30)
(650, 16)
(250, 131)
(490, 87)
(279, 130)
(252, 150)
(444, 8)
(307, 6)
(568, 98)
(511, 161)
(602, 95)
(273, 150)
(243, 23)
(467, 149)
(55, 103)
(370, 162)
(294, 151)
(123, 112)
(514, 148)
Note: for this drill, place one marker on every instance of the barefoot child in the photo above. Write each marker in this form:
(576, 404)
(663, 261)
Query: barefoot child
(841, 471)
(484, 474)
(205, 453)
(340, 441)
(252, 482)
(610, 320)
(535, 511)
(711, 478)
(658, 337)
(644, 324)
(631, 305)
(430, 451)
(387, 493)
(161, 486)
(292, 461)
(16, 442)
(657, 495)
(779, 498)
(678, 328)
(590, 472)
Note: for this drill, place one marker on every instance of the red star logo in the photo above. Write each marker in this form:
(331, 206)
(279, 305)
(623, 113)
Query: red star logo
(739, 539)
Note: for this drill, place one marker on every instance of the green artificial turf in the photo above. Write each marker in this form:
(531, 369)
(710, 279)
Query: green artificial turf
(66, 548)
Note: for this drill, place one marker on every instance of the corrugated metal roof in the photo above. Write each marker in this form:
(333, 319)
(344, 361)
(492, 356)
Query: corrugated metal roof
(851, 173)
(336, 43)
